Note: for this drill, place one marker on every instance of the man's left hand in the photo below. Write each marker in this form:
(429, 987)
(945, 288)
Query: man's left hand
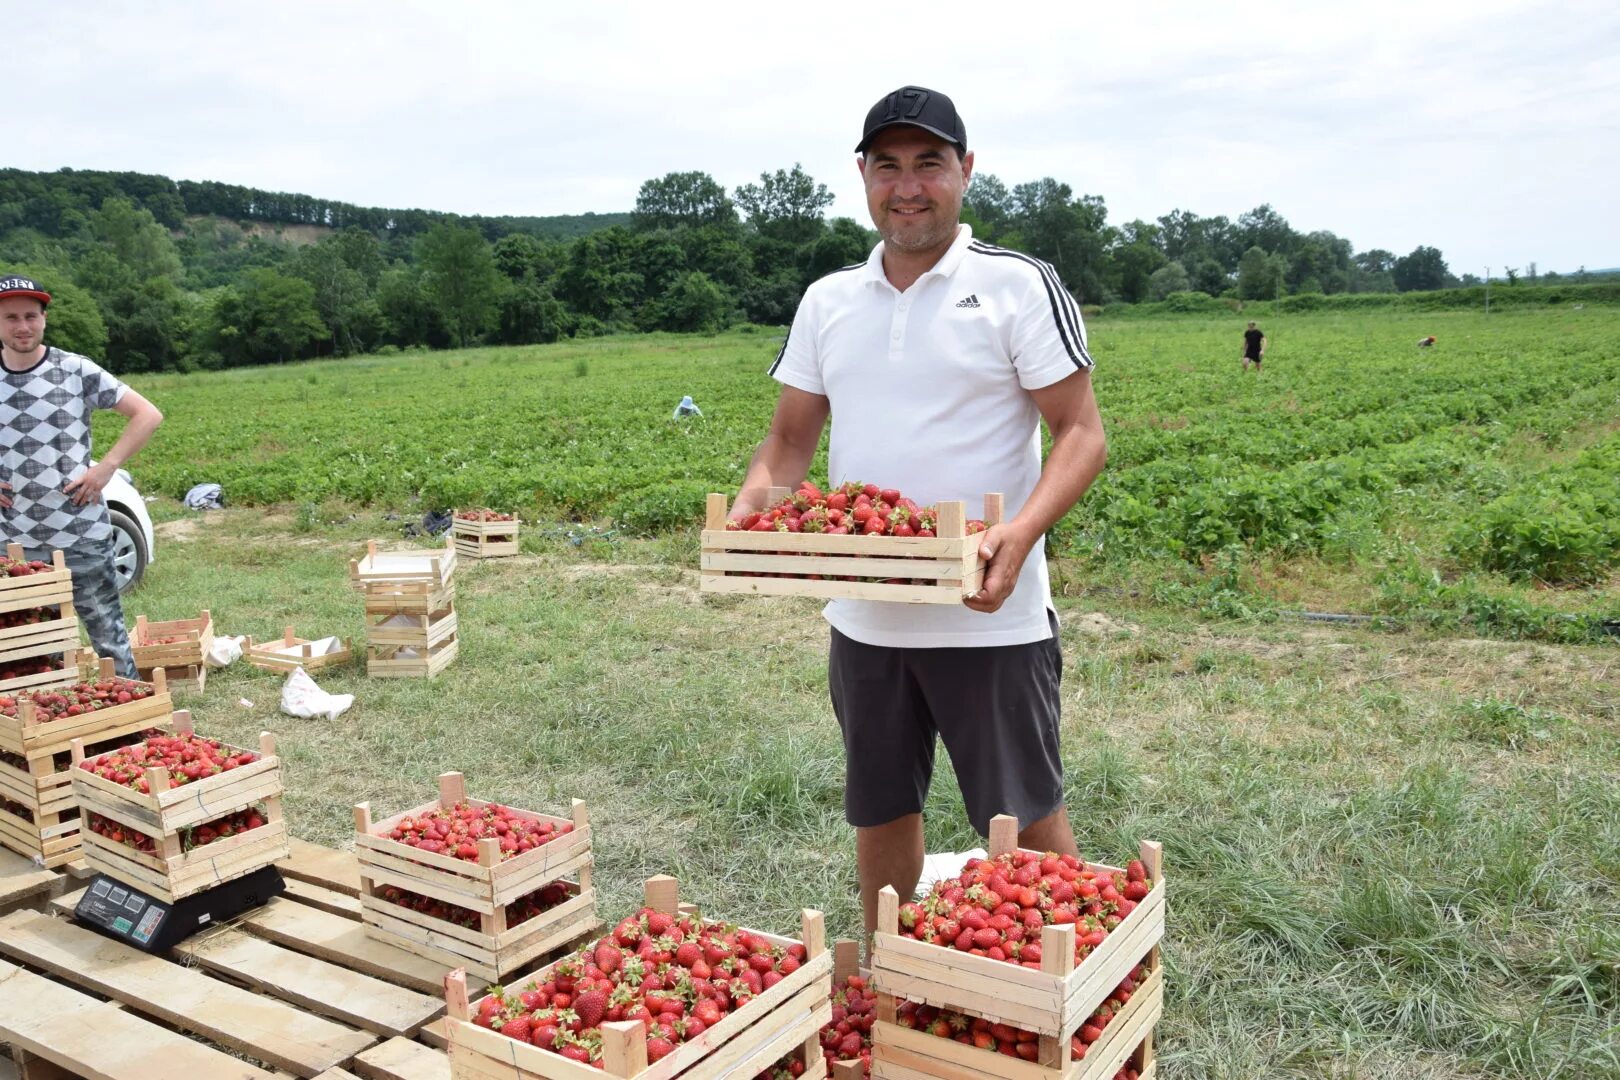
(1004, 549)
(87, 488)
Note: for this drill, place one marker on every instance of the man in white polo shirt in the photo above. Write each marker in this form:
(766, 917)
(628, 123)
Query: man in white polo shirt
(937, 359)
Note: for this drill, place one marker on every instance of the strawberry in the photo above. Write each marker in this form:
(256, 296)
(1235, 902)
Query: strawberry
(591, 1006)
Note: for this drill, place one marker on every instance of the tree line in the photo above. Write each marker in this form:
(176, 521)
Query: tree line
(151, 274)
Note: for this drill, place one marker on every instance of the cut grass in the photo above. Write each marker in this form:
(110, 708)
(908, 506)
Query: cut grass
(1389, 855)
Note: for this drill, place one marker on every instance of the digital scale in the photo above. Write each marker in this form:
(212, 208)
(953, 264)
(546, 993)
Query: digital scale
(126, 914)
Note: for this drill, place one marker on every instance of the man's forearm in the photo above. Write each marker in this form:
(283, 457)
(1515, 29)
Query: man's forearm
(1076, 457)
(136, 434)
(777, 463)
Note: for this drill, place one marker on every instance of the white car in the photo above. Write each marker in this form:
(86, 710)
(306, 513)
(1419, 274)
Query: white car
(133, 539)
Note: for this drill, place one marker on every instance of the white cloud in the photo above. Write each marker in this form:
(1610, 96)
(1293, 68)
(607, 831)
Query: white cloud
(1486, 129)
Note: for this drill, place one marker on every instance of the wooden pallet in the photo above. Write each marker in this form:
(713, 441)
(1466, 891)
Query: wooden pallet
(384, 571)
(24, 883)
(291, 651)
(313, 1007)
(785, 1019)
(1054, 1001)
(485, 539)
(172, 873)
(949, 560)
(46, 589)
(494, 950)
(185, 660)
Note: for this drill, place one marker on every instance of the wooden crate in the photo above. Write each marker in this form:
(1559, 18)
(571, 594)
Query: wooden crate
(58, 636)
(404, 644)
(26, 735)
(485, 539)
(495, 950)
(785, 1019)
(291, 651)
(950, 560)
(36, 590)
(172, 873)
(385, 571)
(901, 1053)
(185, 659)
(1054, 1001)
(40, 787)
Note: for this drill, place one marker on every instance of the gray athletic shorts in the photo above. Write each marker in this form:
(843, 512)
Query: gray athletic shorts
(996, 709)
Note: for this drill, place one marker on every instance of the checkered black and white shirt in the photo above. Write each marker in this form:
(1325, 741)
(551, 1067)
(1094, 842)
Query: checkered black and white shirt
(45, 443)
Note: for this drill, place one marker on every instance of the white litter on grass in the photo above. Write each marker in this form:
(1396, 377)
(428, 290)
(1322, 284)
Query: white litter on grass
(244, 702)
(301, 697)
(944, 864)
(225, 650)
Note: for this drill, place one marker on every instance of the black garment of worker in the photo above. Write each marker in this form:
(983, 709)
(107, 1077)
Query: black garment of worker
(1251, 344)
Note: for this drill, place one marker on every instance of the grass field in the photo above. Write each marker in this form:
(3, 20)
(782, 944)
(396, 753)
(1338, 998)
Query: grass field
(1474, 486)
(1393, 850)
(1390, 855)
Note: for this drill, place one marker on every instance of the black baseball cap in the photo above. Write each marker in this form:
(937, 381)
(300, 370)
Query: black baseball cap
(915, 106)
(21, 286)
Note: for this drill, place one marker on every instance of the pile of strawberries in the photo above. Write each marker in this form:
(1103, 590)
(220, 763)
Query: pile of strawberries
(676, 974)
(33, 665)
(195, 837)
(849, 1035)
(978, 1032)
(23, 567)
(851, 509)
(77, 699)
(29, 617)
(188, 758)
(483, 515)
(518, 911)
(998, 907)
(16, 809)
(456, 831)
(174, 640)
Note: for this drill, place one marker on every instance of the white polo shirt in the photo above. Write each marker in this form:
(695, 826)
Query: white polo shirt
(929, 393)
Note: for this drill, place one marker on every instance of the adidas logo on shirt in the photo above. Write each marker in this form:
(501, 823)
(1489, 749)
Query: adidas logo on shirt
(970, 301)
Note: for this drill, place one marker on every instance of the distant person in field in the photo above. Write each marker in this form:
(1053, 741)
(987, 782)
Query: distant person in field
(974, 345)
(1424, 343)
(50, 493)
(1254, 347)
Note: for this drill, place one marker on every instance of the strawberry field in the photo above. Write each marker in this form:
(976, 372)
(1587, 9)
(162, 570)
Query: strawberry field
(1391, 849)
(1472, 484)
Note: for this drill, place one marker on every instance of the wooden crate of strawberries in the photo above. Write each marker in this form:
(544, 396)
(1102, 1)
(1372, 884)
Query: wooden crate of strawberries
(411, 645)
(179, 646)
(39, 632)
(1098, 925)
(859, 542)
(769, 996)
(177, 813)
(430, 884)
(38, 815)
(484, 534)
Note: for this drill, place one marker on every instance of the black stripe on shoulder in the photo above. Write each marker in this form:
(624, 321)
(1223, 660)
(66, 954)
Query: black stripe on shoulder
(780, 353)
(1064, 312)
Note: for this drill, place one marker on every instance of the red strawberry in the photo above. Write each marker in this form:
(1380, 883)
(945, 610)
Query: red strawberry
(591, 1007)
(517, 1028)
(608, 957)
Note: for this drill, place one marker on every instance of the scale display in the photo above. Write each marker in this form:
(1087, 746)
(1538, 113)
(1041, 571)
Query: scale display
(121, 911)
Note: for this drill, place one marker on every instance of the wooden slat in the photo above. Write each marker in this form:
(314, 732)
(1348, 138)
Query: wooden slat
(402, 1059)
(342, 941)
(324, 866)
(315, 984)
(99, 1040)
(22, 879)
(314, 896)
(261, 1027)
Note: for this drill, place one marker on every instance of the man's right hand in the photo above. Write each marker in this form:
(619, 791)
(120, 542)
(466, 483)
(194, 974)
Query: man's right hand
(5, 500)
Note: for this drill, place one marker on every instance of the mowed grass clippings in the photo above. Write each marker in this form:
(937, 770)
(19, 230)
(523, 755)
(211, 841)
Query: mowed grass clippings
(1389, 855)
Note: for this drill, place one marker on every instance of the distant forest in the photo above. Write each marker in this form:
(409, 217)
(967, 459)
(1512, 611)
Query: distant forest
(152, 274)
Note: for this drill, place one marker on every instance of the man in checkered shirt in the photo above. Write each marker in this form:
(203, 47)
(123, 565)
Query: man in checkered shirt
(50, 494)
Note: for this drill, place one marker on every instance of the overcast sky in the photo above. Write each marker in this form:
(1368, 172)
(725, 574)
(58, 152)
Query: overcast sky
(1489, 129)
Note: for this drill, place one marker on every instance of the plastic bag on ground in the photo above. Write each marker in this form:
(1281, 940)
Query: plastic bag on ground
(301, 697)
(945, 864)
(224, 651)
(205, 497)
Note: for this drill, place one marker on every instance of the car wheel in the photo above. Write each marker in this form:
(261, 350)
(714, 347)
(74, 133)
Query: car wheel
(129, 551)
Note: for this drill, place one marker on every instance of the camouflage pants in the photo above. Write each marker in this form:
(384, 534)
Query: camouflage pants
(95, 598)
